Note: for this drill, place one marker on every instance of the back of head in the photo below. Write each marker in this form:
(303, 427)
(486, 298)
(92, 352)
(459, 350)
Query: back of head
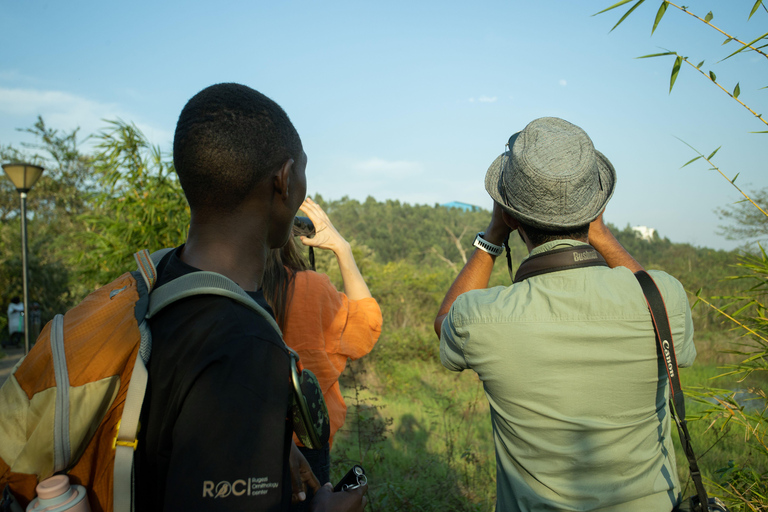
(228, 139)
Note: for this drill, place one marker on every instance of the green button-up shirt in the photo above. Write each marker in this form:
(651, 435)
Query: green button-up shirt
(578, 398)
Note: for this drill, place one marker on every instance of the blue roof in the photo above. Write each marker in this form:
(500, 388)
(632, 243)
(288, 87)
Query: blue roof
(462, 206)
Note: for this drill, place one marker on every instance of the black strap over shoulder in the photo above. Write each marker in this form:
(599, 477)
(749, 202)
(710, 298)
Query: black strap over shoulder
(666, 353)
(660, 320)
(559, 259)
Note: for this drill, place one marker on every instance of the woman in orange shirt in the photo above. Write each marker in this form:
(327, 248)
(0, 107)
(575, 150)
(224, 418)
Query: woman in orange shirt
(326, 327)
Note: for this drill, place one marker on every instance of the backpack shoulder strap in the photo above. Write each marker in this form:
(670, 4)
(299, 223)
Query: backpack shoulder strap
(202, 283)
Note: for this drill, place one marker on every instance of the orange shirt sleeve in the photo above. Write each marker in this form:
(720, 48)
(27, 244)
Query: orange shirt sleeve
(321, 317)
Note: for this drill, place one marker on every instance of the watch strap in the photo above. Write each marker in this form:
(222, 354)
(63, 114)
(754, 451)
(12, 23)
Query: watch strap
(484, 245)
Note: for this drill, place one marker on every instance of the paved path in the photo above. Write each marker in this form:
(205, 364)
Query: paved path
(12, 356)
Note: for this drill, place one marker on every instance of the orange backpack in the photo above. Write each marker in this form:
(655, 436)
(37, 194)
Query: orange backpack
(72, 404)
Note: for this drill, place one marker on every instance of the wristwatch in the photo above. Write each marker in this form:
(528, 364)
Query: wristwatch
(484, 245)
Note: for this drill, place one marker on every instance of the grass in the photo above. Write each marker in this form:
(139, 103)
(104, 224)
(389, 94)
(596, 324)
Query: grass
(424, 434)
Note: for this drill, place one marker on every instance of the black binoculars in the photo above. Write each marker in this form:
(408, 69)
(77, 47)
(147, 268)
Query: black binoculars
(303, 226)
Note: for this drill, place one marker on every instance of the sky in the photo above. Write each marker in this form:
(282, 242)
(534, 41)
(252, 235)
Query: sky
(413, 100)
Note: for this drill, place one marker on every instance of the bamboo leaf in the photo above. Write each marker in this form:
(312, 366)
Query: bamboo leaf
(617, 4)
(709, 17)
(734, 178)
(760, 132)
(627, 13)
(736, 91)
(712, 76)
(659, 55)
(713, 154)
(659, 15)
(700, 64)
(675, 71)
(745, 46)
(728, 40)
(755, 8)
(691, 161)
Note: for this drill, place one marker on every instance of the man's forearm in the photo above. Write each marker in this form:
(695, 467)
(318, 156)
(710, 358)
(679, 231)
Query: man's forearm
(477, 272)
(475, 275)
(601, 238)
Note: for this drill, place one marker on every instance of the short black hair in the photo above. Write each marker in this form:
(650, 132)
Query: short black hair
(539, 236)
(228, 139)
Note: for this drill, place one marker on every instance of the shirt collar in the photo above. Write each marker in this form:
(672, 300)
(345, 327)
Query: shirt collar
(555, 244)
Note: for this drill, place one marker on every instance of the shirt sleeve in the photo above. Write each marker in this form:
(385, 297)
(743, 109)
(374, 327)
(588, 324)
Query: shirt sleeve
(363, 327)
(230, 439)
(350, 328)
(453, 337)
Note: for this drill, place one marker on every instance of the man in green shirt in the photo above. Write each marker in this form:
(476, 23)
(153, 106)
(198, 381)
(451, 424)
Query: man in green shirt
(568, 358)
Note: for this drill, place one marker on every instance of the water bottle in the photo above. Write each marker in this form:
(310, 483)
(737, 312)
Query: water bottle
(55, 494)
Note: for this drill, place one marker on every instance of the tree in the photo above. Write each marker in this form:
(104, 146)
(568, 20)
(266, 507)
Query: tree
(745, 222)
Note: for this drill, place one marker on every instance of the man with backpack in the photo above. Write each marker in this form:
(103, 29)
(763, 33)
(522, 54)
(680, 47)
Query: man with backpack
(214, 430)
(567, 353)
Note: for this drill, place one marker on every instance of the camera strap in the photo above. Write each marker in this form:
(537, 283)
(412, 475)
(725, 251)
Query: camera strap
(666, 353)
(565, 258)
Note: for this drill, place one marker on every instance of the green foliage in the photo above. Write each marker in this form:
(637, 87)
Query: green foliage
(139, 205)
(679, 59)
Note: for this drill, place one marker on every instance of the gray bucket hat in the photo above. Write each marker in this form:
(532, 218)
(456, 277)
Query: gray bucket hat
(552, 177)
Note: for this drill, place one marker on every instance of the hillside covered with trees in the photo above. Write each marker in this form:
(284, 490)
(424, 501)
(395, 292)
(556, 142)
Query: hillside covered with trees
(91, 211)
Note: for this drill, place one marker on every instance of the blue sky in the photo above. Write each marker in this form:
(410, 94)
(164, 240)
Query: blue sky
(413, 100)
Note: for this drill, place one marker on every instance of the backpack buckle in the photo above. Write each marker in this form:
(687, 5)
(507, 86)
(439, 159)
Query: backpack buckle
(115, 442)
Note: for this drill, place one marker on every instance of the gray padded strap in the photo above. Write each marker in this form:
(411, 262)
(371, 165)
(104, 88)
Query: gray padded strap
(202, 283)
(125, 444)
(62, 451)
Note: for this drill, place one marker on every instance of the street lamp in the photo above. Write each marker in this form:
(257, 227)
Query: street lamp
(24, 177)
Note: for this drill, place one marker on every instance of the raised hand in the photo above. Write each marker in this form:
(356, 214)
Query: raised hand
(326, 235)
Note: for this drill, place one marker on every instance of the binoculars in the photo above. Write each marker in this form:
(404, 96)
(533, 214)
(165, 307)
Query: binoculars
(303, 226)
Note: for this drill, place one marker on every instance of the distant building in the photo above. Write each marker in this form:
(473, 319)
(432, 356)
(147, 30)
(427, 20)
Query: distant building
(462, 206)
(644, 232)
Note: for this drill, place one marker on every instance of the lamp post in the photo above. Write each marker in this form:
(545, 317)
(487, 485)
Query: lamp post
(24, 177)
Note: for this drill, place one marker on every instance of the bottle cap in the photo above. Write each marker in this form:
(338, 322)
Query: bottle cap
(53, 487)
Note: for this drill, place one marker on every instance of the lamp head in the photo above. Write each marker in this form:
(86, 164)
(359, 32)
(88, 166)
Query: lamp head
(24, 176)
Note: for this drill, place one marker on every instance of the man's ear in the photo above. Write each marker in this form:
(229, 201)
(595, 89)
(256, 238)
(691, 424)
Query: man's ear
(509, 220)
(282, 178)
